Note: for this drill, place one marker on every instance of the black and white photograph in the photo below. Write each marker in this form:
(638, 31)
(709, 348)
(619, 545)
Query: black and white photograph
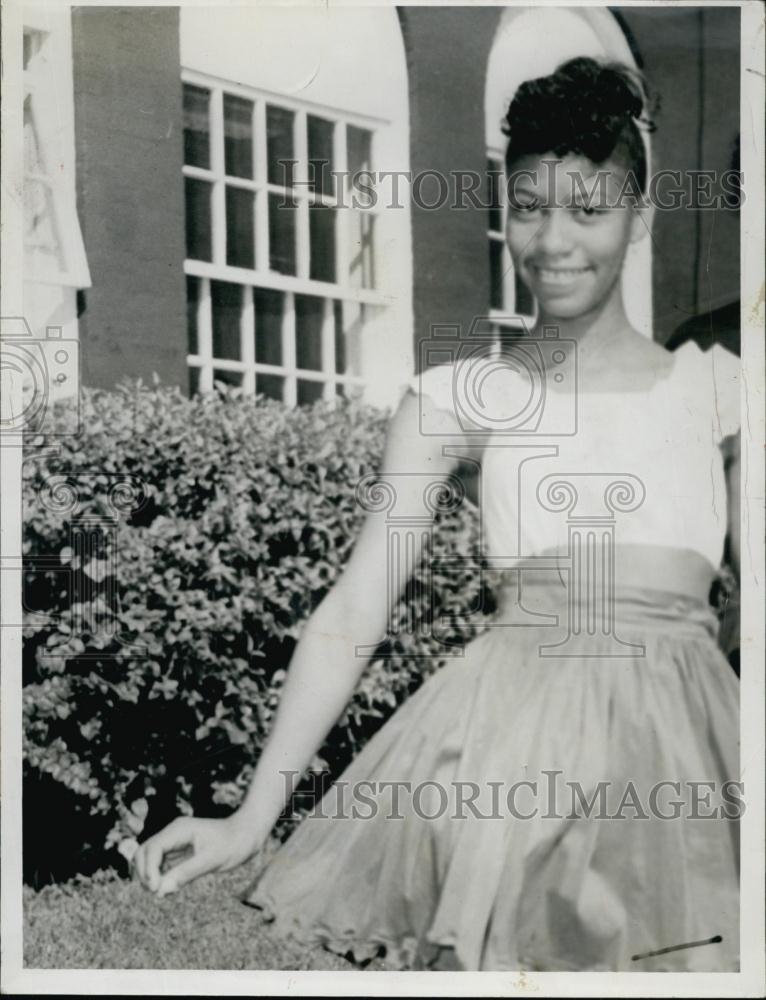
(382, 532)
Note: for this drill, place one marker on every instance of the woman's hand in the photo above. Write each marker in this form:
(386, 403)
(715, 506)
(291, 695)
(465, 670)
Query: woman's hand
(217, 845)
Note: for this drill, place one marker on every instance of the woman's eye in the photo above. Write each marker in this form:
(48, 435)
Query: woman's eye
(588, 211)
(525, 206)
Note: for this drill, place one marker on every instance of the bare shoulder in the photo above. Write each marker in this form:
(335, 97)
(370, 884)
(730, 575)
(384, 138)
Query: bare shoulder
(425, 432)
(416, 434)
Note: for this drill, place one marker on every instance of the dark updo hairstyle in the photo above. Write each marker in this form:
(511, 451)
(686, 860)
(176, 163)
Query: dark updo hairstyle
(585, 108)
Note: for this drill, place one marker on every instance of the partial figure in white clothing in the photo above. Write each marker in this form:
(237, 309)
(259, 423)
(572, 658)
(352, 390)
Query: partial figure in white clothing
(569, 789)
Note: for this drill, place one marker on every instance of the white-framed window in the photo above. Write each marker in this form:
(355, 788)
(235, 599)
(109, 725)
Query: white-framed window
(54, 253)
(280, 241)
(312, 299)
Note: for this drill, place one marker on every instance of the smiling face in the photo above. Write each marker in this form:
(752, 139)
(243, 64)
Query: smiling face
(568, 232)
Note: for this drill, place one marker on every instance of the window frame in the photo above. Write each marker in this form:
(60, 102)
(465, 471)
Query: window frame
(355, 302)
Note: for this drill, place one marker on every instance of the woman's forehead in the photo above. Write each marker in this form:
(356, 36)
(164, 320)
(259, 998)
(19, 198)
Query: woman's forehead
(568, 178)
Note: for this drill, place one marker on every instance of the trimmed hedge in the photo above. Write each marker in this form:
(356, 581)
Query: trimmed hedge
(245, 516)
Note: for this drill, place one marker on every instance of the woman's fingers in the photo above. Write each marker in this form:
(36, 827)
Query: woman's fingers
(181, 874)
(174, 836)
(188, 847)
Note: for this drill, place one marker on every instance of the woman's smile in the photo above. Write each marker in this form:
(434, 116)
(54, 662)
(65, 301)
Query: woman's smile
(557, 276)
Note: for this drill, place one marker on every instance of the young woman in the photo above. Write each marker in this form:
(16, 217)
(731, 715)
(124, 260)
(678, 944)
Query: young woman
(565, 793)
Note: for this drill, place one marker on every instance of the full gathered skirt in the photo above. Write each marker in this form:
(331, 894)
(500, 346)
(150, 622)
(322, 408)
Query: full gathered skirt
(537, 806)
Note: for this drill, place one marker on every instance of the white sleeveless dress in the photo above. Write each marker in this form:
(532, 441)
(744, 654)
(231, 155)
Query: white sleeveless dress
(595, 725)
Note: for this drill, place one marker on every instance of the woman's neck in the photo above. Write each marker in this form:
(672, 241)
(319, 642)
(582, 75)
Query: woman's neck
(605, 327)
(610, 352)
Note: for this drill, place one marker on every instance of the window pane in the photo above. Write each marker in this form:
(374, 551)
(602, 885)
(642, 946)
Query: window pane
(308, 392)
(494, 180)
(348, 337)
(229, 378)
(268, 328)
(279, 145)
(496, 274)
(199, 244)
(359, 158)
(240, 228)
(322, 242)
(362, 263)
(309, 312)
(193, 381)
(525, 302)
(192, 304)
(340, 340)
(269, 385)
(282, 213)
(359, 143)
(227, 310)
(320, 133)
(196, 126)
(238, 135)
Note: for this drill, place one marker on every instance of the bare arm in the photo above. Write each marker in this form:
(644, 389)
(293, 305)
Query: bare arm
(324, 669)
(322, 674)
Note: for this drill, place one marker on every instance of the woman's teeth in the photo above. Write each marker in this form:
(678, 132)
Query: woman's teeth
(560, 274)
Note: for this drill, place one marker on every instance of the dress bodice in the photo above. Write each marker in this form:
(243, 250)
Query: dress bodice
(645, 465)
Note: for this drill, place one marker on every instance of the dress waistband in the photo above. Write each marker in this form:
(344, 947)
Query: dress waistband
(649, 589)
(654, 567)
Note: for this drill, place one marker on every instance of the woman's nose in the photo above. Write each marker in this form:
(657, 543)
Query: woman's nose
(554, 234)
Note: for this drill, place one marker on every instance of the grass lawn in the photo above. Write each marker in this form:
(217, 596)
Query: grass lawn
(113, 923)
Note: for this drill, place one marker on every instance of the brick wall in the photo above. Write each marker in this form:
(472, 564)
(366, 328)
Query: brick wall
(691, 57)
(447, 51)
(128, 133)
